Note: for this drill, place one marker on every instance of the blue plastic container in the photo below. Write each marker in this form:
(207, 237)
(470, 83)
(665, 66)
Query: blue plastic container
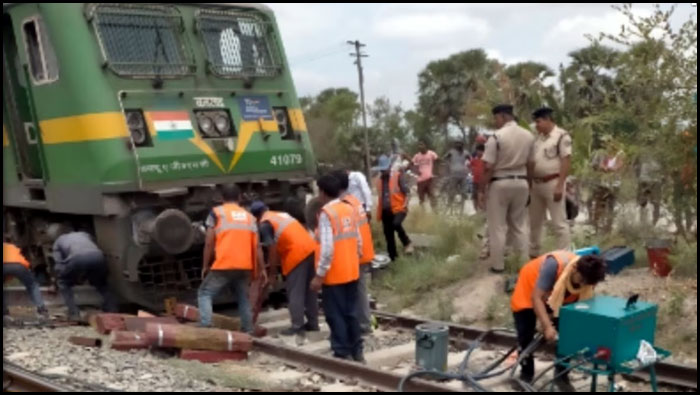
(592, 250)
(618, 258)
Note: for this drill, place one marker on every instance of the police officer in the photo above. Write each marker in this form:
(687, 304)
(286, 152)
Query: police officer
(505, 177)
(549, 167)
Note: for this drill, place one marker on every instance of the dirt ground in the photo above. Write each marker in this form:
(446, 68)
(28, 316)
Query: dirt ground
(481, 301)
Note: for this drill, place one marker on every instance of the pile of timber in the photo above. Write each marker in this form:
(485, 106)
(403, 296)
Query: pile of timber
(179, 333)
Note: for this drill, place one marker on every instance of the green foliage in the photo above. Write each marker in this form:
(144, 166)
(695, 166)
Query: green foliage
(684, 259)
(635, 86)
(411, 278)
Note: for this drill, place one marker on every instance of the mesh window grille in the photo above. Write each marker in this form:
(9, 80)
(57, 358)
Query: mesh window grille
(239, 45)
(142, 41)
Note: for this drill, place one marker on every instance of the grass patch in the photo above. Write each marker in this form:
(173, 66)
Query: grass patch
(684, 259)
(498, 311)
(410, 278)
(671, 334)
(440, 308)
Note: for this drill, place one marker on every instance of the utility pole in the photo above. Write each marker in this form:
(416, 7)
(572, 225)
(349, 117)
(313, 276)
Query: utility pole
(358, 55)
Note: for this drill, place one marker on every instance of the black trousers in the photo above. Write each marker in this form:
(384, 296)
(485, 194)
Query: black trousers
(526, 327)
(340, 308)
(393, 223)
(302, 300)
(90, 265)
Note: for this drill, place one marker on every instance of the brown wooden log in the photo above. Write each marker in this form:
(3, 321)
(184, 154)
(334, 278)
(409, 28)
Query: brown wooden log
(126, 340)
(212, 356)
(190, 313)
(187, 337)
(138, 324)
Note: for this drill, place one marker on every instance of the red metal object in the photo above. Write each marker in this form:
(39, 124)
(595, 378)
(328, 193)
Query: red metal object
(603, 354)
(257, 293)
(127, 340)
(108, 322)
(213, 356)
(85, 341)
(658, 260)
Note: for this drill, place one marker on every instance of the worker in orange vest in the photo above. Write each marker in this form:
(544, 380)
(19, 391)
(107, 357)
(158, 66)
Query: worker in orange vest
(367, 256)
(393, 205)
(291, 247)
(544, 285)
(14, 264)
(338, 270)
(231, 256)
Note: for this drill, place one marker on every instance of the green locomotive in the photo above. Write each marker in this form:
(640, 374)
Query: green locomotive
(122, 119)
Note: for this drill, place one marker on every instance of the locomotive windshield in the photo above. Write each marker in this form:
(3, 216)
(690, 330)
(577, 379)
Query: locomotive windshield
(140, 40)
(239, 44)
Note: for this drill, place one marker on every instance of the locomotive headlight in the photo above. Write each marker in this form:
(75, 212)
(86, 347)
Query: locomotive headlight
(206, 125)
(215, 124)
(223, 125)
(137, 127)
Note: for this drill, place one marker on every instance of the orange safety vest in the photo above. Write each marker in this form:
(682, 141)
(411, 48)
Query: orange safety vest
(12, 254)
(345, 266)
(397, 198)
(292, 240)
(365, 228)
(527, 280)
(236, 239)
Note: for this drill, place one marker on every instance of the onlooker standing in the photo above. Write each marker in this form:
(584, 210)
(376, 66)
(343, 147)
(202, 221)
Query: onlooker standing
(425, 160)
(477, 166)
(457, 158)
(393, 206)
(607, 164)
(649, 187)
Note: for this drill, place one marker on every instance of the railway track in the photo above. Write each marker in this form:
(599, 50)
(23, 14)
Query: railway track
(17, 379)
(389, 353)
(666, 372)
(387, 365)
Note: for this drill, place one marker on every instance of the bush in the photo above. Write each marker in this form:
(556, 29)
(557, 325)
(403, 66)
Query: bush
(684, 259)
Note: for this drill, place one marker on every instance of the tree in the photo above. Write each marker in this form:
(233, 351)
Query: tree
(331, 116)
(528, 87)
(655, 80)
(458, 91)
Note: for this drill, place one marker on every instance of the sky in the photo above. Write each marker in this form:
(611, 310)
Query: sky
(402, 39)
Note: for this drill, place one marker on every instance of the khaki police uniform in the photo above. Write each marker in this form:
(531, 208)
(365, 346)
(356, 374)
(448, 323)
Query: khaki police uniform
(547, 154)
(507, 153)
